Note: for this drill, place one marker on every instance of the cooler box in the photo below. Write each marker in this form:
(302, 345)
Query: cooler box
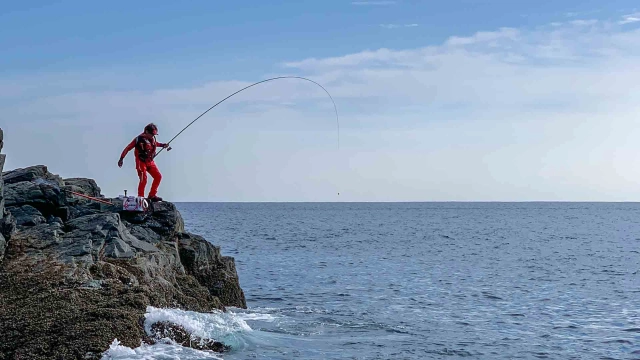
(135, 203)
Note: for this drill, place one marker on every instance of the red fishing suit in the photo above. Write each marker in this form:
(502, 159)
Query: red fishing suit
(145, 146)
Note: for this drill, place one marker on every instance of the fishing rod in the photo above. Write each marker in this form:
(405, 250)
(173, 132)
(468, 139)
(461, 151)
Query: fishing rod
(254, 84)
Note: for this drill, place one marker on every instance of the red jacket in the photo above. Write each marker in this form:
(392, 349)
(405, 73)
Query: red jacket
(145, 146)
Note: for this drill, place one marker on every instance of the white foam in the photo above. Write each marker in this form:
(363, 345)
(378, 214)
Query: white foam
(216, 325)
(153, 352)
(117, 351)
(228, 327)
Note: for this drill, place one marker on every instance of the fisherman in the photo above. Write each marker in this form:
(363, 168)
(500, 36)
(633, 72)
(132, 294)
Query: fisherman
(145, 146)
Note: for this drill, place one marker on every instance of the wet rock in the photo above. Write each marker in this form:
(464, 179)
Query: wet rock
(108, 237)
(27, 215)
(217, 273)
(165, 330)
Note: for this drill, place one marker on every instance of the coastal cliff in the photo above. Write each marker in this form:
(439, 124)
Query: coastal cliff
(76, 274)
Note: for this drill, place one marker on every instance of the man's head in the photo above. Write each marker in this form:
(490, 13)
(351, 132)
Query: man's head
(151, 129)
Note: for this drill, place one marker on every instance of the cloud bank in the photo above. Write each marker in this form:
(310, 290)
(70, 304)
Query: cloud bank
(546, 113)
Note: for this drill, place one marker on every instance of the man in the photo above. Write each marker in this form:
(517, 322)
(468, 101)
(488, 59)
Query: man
(145, 146)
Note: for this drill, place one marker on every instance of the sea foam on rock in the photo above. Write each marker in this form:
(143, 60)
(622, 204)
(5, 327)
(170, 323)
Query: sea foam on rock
(76, 274)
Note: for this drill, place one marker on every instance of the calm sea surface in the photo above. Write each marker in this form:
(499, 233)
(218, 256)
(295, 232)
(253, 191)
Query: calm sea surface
(429, 280)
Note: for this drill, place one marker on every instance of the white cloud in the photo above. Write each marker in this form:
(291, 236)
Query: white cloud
(484, 37)
(396, 26)
(630, 18)
(584, 22)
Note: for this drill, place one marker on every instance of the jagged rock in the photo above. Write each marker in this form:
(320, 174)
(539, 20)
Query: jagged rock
(54, 219)
(27, 215)
(7, 225)
(2, 159)
(178, 334)
(163, 219)
(30, 174)
(217, 273)
(3, 245)
(48, 200)
(35, 243)
(3, 241)
(46, 316)
(108, 237)
(72, 284)
(83, 186)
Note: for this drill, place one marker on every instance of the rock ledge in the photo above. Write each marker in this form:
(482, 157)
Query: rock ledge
(76, 274)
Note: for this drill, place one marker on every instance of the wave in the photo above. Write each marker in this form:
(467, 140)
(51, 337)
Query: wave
(228, 327)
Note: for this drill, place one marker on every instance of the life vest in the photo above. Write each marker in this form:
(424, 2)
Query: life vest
(146, 146)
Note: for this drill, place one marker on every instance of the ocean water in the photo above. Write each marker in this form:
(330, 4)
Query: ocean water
(420, 281)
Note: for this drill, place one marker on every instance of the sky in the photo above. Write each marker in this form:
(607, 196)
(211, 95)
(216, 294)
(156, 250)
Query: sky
(463, 100)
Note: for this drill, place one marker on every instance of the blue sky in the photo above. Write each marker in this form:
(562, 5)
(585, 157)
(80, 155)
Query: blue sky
(459, 100)
(235, 38)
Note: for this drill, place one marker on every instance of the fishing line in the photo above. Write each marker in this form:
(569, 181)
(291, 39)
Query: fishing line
(254, 84)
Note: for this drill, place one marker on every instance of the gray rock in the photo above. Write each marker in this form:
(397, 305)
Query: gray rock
(83, 186)
(3, 245)
(2, 159)
(109, 237)
(7, 225)
(35, 243)
(54, 219)
(30, 174)
(27, 215)
(1, 142)
(45, 198)
(218, 274)
(142, 232)
(163, 218)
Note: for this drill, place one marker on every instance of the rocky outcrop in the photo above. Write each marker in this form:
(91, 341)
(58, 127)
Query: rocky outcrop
(78, 274)
(27, 215)
(82, 186)
(3, 241)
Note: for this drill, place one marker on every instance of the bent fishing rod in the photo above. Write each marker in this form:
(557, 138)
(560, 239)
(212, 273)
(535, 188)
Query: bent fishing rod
(245, 88)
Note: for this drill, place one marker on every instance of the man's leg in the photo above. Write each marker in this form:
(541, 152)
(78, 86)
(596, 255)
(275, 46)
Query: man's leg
(142, 175)
(157, 177)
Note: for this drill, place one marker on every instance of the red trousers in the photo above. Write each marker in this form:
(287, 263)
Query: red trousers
(152, 169)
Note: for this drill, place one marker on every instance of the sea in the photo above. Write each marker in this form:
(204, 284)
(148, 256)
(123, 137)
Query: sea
(419, 281)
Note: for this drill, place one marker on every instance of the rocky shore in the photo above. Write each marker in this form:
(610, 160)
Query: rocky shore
(77, 274)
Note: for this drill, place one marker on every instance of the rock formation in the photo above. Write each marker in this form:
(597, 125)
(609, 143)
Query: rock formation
(76, 274)
(3, 242)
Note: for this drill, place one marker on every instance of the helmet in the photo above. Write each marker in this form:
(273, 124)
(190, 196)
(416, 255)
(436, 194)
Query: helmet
(151, 129)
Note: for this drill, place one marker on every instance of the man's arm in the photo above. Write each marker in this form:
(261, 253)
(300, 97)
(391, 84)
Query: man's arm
(126, 150)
